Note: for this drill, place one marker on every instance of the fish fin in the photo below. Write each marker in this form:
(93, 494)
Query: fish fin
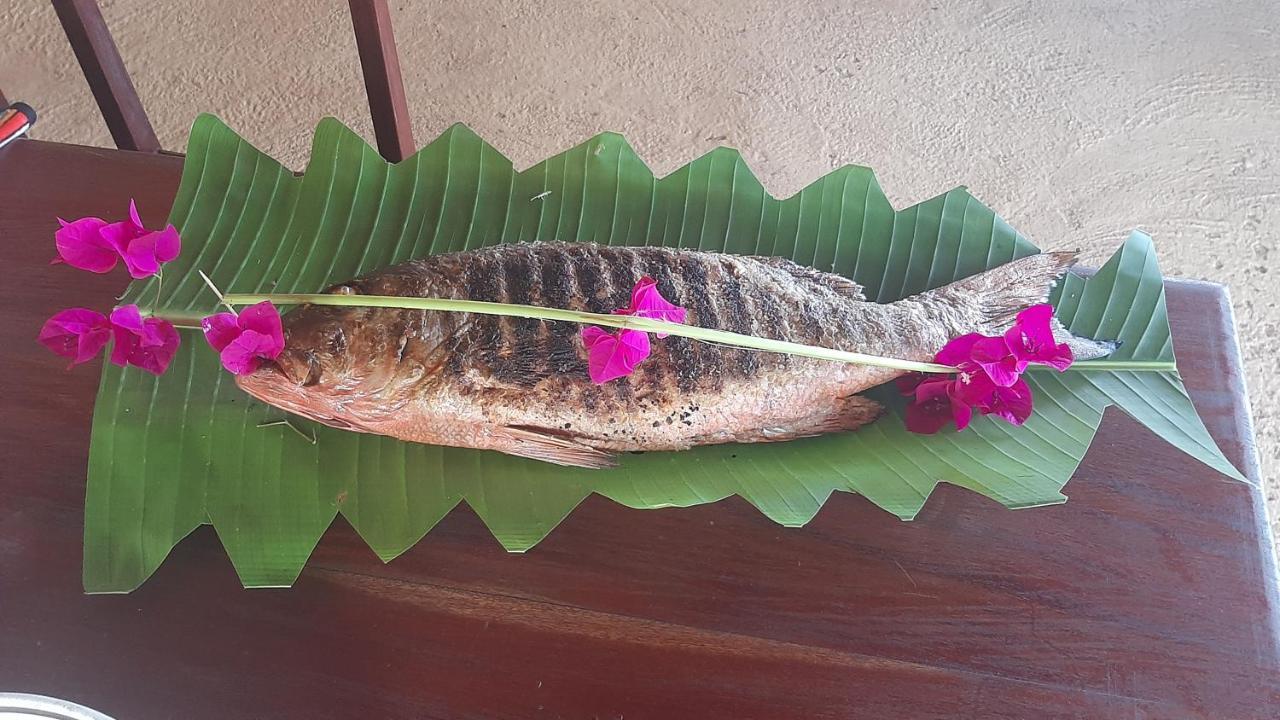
(849, 413)
(549, 446)
(1003, 292)
(1082, 348)
(839, 283)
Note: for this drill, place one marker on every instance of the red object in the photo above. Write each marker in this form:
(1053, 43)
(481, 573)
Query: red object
(1150, 594)
(14, 121)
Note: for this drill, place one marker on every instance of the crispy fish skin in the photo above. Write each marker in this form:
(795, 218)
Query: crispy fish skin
(520, 386)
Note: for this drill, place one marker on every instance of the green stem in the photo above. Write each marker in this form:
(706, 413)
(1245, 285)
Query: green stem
(191, 320)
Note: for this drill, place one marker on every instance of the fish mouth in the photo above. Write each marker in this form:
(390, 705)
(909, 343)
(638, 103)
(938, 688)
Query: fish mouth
(271, 383)
(284, 385)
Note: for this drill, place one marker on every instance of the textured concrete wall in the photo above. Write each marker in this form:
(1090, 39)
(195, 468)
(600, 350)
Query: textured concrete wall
(1077, 120)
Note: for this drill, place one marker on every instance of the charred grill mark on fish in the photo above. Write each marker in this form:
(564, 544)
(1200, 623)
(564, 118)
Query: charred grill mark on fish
(622, 275)
(481, 282)
(592, 283)
(521, 360)
(699, 277)
(736, 309)
(559, 290)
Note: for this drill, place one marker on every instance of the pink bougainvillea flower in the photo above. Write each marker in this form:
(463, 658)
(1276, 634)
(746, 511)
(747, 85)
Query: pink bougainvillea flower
(935, 403)
(1031, 340)
(647, 302)
(143, 250)
(147, 343)
(610, 355)
(988, 375)
(81, 245)
(77, 333)
(244, 342)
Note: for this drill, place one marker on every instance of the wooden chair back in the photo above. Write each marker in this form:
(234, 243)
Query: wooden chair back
(122, 110)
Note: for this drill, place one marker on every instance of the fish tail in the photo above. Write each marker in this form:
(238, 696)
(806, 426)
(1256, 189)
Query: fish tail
(1003, 292)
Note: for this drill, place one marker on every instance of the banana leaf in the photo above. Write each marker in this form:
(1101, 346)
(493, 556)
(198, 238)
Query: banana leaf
(173, 452)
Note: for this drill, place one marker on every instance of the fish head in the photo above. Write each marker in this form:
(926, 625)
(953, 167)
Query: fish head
(318, 374)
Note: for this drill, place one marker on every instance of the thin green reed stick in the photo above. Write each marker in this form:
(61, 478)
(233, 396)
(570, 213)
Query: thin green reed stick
(632, 323)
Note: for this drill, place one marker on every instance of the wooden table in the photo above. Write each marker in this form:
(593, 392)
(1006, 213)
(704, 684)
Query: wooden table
(1151, 594)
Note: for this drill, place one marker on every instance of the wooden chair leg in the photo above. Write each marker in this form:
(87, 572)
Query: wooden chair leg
(104, 70)
(371, 20)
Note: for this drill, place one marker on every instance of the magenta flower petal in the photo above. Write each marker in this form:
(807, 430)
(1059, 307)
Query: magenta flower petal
(247, 352)
(125, 344)
(264, 318)
(1010, 403)
(927, 418)
(647, 302)
(973, 385)
(167, 243)
(127, 329)
(120, 234)
(127, 317)
(908, 383)
(591, 335)
(961, 414)
(140, 257)
(958, 351)
(993, 356)
(157, 347)
(220, 330)
(77, 333)
(81, 245)
(933, 407)
(612, 356)
(133, 214)
(1031, 339)
(1061, 359)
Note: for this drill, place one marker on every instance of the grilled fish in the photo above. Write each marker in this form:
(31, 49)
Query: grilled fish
(520, 386)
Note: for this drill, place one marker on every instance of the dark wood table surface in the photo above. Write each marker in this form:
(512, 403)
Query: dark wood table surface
(1151, 594)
